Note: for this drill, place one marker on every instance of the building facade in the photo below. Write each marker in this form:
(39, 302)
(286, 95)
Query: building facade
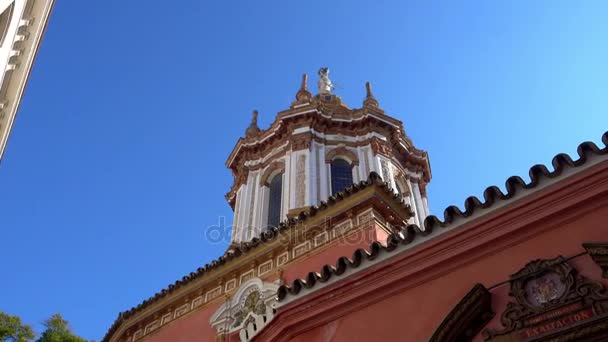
(22, 25)
(332, 241)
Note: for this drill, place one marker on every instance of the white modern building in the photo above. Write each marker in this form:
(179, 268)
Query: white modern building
(22, 25)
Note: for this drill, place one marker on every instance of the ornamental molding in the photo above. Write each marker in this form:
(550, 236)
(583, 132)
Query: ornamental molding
(341, 152)
(276, 167)
(286, 124)
(403, 160)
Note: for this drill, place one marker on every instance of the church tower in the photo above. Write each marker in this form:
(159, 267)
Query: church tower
(322, 182)
(316, 149)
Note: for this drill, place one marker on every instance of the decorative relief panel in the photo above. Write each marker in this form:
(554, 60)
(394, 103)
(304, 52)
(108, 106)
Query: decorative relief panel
(343, 227)
(249, 226)
(181, 310)
(381, 147)
(252, 299)
(246, 276)
(320, 239)
(166, 318)
(385, 172)
(265, 267)
(216, 292)
(301, 249)
(300, 181)
(152, 326)
(138, 334)
(365, 218)
(282, 259)
(301, 141)
(198, 301)
(230, 285)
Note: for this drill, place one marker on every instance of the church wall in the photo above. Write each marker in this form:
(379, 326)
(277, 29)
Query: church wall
(428, 304)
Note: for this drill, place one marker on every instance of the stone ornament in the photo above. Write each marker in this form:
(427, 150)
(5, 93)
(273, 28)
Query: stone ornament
(549, 297)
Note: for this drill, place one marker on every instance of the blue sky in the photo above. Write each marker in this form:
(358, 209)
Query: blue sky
(115, 166)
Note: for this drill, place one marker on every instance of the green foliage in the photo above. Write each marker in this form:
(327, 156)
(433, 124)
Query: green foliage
(57, 330)
(12, 330)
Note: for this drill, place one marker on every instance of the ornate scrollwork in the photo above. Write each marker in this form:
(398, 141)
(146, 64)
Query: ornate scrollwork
(545, 290)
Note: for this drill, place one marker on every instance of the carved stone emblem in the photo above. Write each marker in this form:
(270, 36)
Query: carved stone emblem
(542, 290)
(550, 299)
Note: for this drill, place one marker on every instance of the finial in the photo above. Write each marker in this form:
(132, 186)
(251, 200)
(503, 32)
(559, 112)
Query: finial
(303, 95)
(370, 100)
(253, 128)
(304, 85)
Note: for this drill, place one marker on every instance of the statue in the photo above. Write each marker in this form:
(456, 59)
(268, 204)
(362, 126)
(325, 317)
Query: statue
(325, 85)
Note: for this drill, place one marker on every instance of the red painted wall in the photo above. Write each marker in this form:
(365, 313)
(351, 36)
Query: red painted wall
(413, 315)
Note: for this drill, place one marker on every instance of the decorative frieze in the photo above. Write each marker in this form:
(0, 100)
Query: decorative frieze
(246, 276)
(138, 334)
(260, 156)
(320, 239)
(198, 301)
(265, 267)
(282, 259)
(343, 227)
(152, 326)
(301, 141)
(216, 292)
(381, 147)
(167, 318)
(230, 285)
(365, 217)
(182, 310)
(301, 249)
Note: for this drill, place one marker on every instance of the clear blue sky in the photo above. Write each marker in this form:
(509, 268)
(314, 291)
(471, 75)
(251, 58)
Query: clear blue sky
(116, 162)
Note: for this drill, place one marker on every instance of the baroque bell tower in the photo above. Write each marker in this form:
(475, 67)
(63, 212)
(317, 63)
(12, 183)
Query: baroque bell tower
(318, 148)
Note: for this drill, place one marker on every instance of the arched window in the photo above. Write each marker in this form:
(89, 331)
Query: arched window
(341, 175)
(274, 200)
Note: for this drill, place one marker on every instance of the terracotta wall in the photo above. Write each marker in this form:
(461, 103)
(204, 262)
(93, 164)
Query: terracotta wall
(413, 315)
